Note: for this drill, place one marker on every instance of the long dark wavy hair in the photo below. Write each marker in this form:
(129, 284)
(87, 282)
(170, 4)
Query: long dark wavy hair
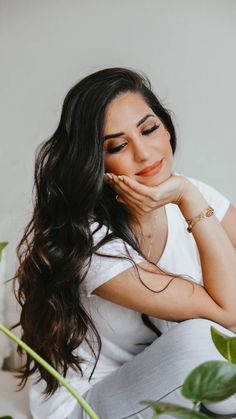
(56, 248)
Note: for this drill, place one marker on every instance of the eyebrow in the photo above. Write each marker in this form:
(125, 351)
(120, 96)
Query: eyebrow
(118, 134)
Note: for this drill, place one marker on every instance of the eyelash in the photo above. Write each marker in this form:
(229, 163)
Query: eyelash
(113, 150)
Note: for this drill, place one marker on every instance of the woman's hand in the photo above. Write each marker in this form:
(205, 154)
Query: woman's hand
(142, 199)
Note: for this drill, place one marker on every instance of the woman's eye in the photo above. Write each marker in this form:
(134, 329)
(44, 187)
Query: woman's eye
(112, 150)
(148, 131)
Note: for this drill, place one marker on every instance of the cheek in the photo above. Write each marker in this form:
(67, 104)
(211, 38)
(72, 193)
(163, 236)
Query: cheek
(166, 146)
(169, 151)
(116, 165)
(169, 156)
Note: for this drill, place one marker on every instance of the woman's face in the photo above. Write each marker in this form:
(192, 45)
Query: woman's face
(136, 143)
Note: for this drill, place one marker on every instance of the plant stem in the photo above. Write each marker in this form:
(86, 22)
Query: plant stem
(52, 371)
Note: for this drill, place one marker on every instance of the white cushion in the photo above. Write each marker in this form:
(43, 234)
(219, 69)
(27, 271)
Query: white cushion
(13, 403)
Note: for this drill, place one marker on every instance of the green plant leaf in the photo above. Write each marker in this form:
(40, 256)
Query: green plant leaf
(175, 410)
(2, 245)
(210, 382)
(6, 417)
(226, 345)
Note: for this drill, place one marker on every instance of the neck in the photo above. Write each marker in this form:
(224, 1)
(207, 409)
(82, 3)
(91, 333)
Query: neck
(147, 221)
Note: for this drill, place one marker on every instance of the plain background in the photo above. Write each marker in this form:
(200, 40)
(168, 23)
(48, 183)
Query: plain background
(186, 47)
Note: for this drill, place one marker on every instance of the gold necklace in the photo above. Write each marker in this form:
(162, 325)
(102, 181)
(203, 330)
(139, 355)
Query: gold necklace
(155, 226)
(151, 237)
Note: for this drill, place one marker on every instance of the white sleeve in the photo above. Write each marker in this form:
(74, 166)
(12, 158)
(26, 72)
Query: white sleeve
(214, 198)
(104, 268)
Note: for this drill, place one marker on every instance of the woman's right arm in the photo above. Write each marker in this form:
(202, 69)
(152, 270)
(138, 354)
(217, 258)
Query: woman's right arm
(217, 254)
(184, 299)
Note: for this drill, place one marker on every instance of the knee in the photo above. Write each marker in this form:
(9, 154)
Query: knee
(195, 328)
(194, 336)
(200, 329)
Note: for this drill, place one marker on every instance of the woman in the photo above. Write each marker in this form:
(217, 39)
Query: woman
(115, 291)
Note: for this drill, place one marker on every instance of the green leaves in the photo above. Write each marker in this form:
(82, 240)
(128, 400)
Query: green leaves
(175, 410)
(210, 382)
(226, 345)
(6, 417)
(2, 245)
(214, 381)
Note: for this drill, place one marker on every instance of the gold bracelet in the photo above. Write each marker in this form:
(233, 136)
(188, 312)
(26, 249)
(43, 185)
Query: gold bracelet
(207, 212)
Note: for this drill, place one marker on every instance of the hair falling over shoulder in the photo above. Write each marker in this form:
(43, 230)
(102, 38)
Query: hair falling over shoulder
(56, 248)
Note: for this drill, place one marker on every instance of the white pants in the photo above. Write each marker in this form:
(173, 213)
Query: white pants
(157, 374)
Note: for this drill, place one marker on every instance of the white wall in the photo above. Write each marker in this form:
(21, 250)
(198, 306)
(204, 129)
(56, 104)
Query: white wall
(186, 47)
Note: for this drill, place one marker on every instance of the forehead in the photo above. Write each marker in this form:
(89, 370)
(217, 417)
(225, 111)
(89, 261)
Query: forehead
(127, 108)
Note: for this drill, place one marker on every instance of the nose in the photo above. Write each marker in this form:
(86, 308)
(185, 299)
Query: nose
(140, 149)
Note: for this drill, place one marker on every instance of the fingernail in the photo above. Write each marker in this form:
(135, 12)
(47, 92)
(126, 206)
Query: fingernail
(108, 176)
(120, 178)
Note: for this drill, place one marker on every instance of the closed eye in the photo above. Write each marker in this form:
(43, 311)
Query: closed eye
(112, 150)
(148, 131)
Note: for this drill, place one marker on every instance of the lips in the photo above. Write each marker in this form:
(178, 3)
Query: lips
(151, 169)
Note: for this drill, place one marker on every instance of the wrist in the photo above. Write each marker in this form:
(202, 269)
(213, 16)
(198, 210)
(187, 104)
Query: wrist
(192, 201)
(206, 213)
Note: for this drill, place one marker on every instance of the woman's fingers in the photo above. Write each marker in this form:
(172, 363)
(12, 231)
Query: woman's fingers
(131, 187)
(126, 198)
(136, 187)
(118, 185)
(133, 195)
(148, 198)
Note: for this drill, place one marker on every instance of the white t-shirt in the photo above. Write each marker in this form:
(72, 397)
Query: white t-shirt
(122, 331)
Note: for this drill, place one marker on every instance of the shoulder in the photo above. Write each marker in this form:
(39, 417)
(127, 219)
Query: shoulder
(99, 232)
(104, 240)
(111, 257)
